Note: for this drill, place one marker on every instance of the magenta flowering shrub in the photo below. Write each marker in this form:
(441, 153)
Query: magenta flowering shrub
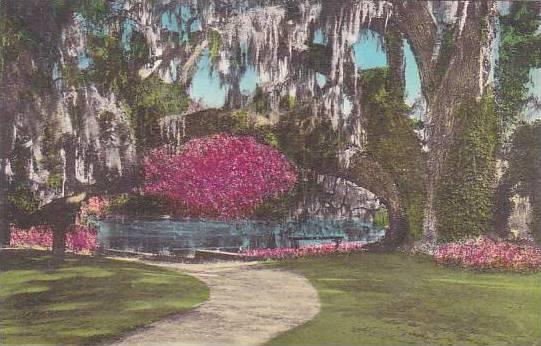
(82, 239)
(78, 239)
(39, 236)
(486, 254)
(309, 250)
(219, 176)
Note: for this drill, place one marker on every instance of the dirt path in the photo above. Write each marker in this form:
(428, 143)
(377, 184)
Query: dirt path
(248, 305)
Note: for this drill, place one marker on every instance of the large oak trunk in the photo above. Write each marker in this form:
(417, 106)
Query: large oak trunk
(448, 82)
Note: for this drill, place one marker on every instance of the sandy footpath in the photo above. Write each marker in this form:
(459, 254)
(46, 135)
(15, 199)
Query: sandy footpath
(248, 305)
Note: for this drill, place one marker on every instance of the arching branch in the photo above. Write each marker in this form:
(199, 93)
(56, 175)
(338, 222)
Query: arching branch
(414, 20)
(367, 173)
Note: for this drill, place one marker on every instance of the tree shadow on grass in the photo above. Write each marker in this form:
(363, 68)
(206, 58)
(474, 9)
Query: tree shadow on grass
(85, 300)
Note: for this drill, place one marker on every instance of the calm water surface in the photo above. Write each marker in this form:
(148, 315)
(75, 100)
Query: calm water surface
(166, 235)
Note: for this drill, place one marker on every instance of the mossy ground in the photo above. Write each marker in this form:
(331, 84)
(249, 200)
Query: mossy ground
(85, 300)
(396, 299)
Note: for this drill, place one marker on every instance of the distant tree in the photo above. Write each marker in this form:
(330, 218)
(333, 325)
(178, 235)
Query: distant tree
(59, 215)
(220, 176)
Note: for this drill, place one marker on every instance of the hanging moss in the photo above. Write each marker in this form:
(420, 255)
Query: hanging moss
(145, 101)
(20, 196)
(464, 202)
(51, 146)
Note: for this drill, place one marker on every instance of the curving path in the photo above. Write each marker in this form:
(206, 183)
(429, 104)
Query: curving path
(248, 305)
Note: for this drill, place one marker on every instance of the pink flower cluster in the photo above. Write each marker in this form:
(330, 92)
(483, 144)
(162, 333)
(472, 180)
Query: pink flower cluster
(39, 236)
(485, 254)
(95, 206)
(82, 239)
(219, 176)
(310, 250)
(78, 239)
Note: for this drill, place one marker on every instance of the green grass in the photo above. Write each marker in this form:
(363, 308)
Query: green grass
(395, 299)
(85, 300)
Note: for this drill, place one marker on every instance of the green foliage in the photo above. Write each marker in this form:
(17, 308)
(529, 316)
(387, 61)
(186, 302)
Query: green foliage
(54, 181)
(381, 219)
(276, 208)
(23, 199)
(310, 142)
(150, 101)
(13, 37)
(52, 145)
(241, 120)
(394, 144)
(147, 100)
(94, 11)
(165, 98)
(119, 202)
(137, 205)
(16, 35)
(465, 194)
(109, 64)
(520, 51)
(260, 101)
(288, 102)
(71, 75)
(215, 43)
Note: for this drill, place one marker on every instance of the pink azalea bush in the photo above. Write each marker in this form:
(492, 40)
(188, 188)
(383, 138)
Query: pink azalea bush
(219, 176)
(39, 236)
(486, 254)
(79, 239)
(82, 239)
(95, 207)
(303, 251)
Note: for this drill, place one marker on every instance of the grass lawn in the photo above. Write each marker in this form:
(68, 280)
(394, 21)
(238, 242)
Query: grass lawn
(382, 299)
(85, 300)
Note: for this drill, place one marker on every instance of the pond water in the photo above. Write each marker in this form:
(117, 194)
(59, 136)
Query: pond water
(166, 235)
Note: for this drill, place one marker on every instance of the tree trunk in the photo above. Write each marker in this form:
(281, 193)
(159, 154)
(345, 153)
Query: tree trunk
(5, 232)
(448, 80)
(4, 218)
(59, 242)
(4, 203)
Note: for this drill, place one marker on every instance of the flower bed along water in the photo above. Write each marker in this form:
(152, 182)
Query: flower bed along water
(310, 250)
(78, 239)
